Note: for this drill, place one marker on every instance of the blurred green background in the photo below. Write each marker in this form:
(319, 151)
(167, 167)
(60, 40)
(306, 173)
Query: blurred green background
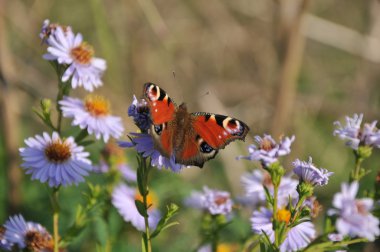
(283, 67)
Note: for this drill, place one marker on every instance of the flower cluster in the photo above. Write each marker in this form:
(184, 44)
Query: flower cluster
(309, 173)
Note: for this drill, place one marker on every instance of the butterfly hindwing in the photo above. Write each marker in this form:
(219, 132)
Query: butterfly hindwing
(162, 108)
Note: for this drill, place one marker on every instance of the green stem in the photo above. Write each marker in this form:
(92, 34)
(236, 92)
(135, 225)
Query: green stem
(145, 171)
(55, 205)
(215, 234)
(358, 162)
(275, 198)
(298, 207)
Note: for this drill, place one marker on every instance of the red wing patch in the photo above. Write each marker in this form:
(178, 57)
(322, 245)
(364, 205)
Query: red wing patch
(219, 130)
(161, 106)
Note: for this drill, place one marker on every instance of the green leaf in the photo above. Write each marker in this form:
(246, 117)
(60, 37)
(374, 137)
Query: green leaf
(141, 208)
(268, 196)
(164, 223)
(101, 231)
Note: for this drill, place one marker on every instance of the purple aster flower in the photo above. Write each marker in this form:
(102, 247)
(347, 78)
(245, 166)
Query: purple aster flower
(27, 234)
(253, 185)
(83, 68)
(139, 110)
(93, 114)
(335, 237)
(267, 151)
(297, 238)
(307, 172)
(214, 201)
(55, 160)
(123, 198)
(355, 135)
(354, 217)
(143, 143)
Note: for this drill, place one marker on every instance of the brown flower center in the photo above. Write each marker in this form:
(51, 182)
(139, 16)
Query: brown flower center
(2, 232)
(97, 105)
(220, 200)
(35, 241)
(58, 151)
(266, 144)
(83, 53)
(360, 206)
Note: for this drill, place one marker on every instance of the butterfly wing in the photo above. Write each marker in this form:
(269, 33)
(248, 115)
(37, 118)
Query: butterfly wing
(162, 108)
(162, 111)
(219, 130)
(208, 134)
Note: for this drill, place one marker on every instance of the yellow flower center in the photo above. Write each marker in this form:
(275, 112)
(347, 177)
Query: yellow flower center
(283, 215)
(35, 241)
(83, 53)
(224, 247)
(151, 198)
(97, 105)
(58, 151)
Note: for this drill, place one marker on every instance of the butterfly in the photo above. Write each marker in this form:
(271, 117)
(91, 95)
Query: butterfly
(193, 138)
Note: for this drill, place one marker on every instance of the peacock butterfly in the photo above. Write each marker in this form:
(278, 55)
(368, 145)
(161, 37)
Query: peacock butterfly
(193, 138)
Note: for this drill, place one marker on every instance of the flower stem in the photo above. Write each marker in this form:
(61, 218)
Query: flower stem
(55, 205)
(356, 173)
(276, 231)
(215, 234)
(148, 246)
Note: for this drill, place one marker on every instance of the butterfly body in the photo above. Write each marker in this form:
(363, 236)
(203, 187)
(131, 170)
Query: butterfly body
(191, 138)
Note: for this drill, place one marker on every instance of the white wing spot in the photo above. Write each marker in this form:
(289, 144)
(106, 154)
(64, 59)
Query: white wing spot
(154, 104)
(220, 137)
(155, 110)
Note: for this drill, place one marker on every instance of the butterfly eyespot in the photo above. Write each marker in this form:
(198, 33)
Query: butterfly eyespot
(205, 148)
(158, 129)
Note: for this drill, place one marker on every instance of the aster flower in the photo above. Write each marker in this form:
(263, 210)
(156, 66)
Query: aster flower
(55, 160)
(298, 236)
(27, 234)
(354, 217)
(143, 143)
(309, 173)
(355, 135)
(123, 198)
(139, 110)
(93, 114)
(267, 151)
(67, 48)
(254, 191)
(214, 201)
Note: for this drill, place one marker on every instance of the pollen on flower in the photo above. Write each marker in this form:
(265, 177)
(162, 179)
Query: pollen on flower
(36, 241)
(283, 215)
(97, 105)
(58, 151)
(151, 198)
(82, 53)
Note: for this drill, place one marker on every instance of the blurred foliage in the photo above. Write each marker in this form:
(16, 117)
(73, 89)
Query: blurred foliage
(226, 48)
